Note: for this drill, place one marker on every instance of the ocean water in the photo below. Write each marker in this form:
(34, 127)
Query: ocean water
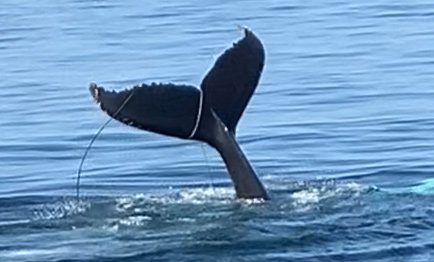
(340, 130)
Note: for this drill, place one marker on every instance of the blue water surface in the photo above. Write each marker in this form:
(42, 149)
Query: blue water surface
(340, 130)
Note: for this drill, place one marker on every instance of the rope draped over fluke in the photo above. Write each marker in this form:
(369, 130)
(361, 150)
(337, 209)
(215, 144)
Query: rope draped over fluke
(199, 113)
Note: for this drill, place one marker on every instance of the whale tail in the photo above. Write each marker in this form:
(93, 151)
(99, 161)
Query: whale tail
(209, 114)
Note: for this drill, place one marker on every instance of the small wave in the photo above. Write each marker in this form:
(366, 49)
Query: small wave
(424, 187)
(24, 254)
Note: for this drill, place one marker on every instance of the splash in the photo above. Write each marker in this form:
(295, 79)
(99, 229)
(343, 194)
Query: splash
(61, 209)
(195, 196)
(310, 194)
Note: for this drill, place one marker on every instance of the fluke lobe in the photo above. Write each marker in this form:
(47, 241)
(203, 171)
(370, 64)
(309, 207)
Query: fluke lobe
(209, 114)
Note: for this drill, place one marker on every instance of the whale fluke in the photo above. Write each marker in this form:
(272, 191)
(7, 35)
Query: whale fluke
(167, 109)
(209, 114)
(232, 80)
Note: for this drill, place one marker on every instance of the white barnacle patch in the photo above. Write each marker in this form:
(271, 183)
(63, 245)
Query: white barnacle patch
(93, 88)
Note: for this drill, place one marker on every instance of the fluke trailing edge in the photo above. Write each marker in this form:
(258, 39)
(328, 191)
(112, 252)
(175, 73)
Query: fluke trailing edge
(209, 114)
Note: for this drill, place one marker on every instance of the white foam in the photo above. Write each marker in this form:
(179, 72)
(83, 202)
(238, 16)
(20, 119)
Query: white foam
(134, 220)
(316, 191)
(187, 196)
(303, 193)
(61, 209)
(306, 196)
(205, 195)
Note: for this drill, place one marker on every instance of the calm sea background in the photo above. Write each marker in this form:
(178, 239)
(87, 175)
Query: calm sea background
(340, 130)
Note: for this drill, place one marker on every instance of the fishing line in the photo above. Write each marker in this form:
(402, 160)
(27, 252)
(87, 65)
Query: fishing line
(208, 167)
(80, 168)
(193, 132)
